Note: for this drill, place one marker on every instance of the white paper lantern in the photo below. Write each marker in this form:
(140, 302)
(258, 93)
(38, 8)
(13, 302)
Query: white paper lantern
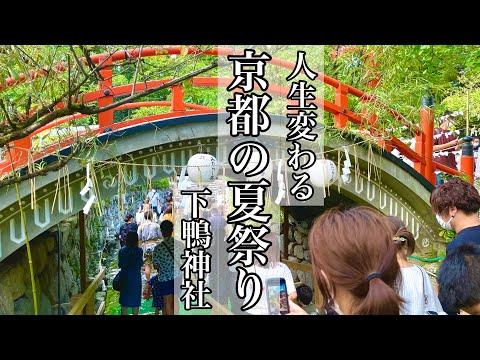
(323, 173)
(253, 164)
(202, 168)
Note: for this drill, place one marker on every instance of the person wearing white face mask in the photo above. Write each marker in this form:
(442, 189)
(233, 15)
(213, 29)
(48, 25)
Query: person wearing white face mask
(455, 205)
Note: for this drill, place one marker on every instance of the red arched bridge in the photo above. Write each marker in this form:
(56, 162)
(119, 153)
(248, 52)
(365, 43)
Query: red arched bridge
(421, 156)
(402, 191)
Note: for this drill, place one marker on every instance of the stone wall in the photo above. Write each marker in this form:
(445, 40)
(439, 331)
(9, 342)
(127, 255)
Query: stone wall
(16, 296)
(298, 250)
(56, 278)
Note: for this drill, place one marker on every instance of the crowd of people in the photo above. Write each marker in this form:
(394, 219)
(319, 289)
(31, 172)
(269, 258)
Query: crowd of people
(360, 261)
(147, 242)
(446, 147)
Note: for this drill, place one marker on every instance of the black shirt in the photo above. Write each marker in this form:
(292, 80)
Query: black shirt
(467, 235)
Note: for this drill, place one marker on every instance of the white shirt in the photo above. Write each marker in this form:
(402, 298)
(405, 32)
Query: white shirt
(280, 270)
(414, 280)
(139, 218)
(148, 231)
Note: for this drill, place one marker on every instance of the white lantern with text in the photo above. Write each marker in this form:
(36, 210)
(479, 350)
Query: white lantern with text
(202, 168)
(323, 173)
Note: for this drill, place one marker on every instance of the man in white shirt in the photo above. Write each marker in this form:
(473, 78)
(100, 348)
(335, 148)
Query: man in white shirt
(273, 269)
(148, 230)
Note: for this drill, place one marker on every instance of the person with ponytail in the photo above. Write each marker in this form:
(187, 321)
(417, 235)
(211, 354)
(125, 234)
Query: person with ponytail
(416, 290)
(354, 262)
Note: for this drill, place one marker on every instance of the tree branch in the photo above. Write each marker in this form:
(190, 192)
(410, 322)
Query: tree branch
(69, 104)
(87, 110)
(44, 171)
(12, 125)
(136, 70)
(50, 108)
(28, 104)
(91, 111)
(77, 60)
(21, 133)
(90, 63)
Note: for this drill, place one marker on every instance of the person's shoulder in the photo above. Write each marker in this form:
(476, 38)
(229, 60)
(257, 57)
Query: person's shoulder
(282, 268)
(421, 269)
(281, 265)
(468, 235)
(311, 309)
(472, 229)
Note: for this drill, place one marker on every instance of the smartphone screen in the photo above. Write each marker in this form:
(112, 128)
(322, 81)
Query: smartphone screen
(277, 296)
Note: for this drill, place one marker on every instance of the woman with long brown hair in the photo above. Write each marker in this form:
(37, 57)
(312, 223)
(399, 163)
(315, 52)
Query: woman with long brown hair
(354, 262)
(416, 290)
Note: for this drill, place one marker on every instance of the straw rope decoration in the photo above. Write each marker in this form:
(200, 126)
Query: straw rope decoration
(116, 162)
(121, 177)
(33, 185)
(149, 178)
(380, 181)
(174, 212)
(357, 166)
(339, 171)
(96, 189)
(66, 187)
(57, 187)
(369, 162)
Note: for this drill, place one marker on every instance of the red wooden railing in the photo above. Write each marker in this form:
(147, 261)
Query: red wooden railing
(422, 156)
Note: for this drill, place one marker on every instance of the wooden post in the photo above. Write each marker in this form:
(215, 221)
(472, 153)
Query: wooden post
(85, 302)
(427, 119)
(341, 100)
(467, 162)
(286, 228)
(90, 305)
(101, 308)
(420, 150)
(83, 256)
(74, 299)
(105, 118)
(177, 98)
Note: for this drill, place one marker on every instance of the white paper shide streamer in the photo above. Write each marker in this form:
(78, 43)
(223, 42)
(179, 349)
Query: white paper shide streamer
(88, 188)
(346, 167)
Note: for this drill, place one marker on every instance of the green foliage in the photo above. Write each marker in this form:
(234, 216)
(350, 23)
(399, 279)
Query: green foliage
(407, 72)
(147, 111)
(448, 235)
(161, 184)
(94, 243)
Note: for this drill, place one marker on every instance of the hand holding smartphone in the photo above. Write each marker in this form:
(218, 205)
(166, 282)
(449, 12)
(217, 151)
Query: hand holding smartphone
(277, 296)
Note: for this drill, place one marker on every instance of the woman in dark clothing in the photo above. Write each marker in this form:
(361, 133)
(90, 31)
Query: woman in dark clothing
(130, 260)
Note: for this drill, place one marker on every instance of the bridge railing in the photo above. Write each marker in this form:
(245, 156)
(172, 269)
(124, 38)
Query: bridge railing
(85, 303)
(422, 155)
